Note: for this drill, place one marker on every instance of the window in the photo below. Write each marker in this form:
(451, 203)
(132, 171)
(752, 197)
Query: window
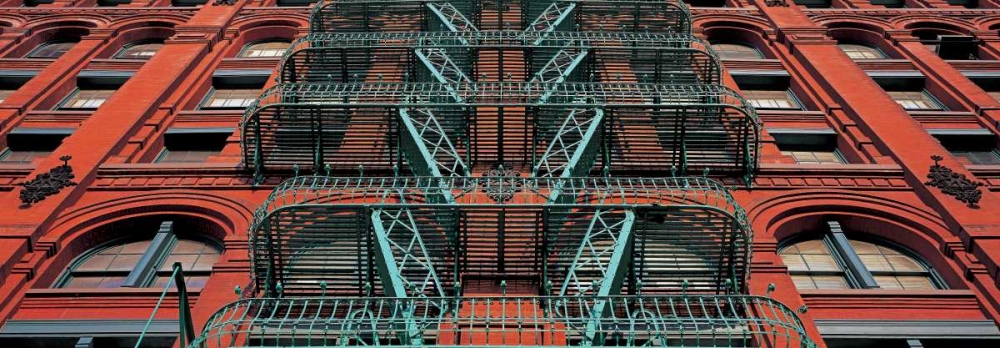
(815, 157)
(25, 145)
(915, 100)
(834, 261)
(861, 52)
(142, 263)
(808, 146)
(978, 157)
(230, 98)
(736, 51)
(976, 146)
(192, 145)
(51, 50)
(87, 99)
(762, 99)
(139, 51)
(994, 94)
(269, 49)
(4, 93)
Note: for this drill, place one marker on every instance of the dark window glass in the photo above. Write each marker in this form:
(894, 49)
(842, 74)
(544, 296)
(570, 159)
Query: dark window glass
(51, 50)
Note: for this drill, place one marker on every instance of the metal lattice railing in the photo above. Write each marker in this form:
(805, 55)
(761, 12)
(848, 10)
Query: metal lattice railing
(347, 57)
(607, 15)
(629, 321)
(647, 128)
(684, 232)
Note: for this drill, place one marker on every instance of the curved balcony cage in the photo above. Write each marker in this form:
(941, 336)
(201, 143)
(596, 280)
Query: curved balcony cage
(337, 235)
(644, 129)
(466, 15)
(629, 321)
(419, 56)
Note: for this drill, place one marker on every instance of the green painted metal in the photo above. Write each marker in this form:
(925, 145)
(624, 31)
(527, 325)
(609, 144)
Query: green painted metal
(631, 321)
(654, 56)
(550, 19)
(721, 130)
(176, 280)
(369, 15)
(307, 212)
(572, 150)
(452, 18)
(436, 154)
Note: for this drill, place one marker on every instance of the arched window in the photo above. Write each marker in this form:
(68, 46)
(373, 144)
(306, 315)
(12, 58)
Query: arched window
(142, 263)
(834, 261)
(51, 50)
(736, 51)
(265, 49)
(139, 50)
(861, 52)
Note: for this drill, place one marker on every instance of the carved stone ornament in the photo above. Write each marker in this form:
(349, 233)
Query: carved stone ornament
(501, 183)
(954, 184)
(773, 3)
(47, 184)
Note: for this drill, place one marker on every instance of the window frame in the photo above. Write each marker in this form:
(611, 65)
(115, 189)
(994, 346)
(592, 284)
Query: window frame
(836, 154)
(147, 268)
(203, 105)
(7, 152)
(994, 152)
(881, 54)
(62, 105)
(760, 54)
(856, 274)
(6, 93)
(788, 92)
(246, 48)
(31, 54)
(927, 97)
(124, 49)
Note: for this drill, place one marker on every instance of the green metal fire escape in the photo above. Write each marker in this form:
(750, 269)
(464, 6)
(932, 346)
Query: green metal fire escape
(501, 143)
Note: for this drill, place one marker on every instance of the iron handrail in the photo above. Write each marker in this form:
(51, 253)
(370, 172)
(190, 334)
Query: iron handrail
(677, 320)
(184, 308)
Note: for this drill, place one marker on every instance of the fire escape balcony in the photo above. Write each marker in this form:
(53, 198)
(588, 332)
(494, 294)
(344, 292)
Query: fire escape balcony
(629, 321)
(620, 262)
(422, 236)
(647, 129)
(531, 15)
(646, 57)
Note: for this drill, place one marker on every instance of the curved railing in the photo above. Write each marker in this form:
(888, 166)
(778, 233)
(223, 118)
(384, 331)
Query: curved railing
(628, 321)
(721, 126)
(328, 15)
(346, 57)
(596, 191)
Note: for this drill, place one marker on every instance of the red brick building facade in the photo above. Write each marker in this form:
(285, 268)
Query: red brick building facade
(856, 227)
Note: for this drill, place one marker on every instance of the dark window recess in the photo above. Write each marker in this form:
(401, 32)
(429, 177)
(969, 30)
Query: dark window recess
(192, 146)
(188, 3)
(112, 3)
(964, 3)
(770, 90)
(706, 3)
(890, 3)
(295, 2)
(808, 146)
(975, 149)
(25, 145)
(949, 47)
(813, 3)
(11, 80)
(33, 3)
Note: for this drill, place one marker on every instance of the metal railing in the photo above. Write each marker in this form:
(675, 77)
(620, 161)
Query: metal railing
(630, 321)
(176, 280)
